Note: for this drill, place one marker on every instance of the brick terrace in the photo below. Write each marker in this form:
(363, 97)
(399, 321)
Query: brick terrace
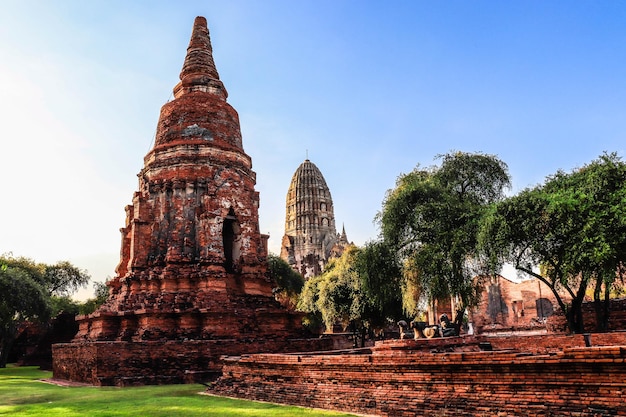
(534, 376)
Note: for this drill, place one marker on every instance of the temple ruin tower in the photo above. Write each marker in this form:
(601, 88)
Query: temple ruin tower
(310, 238)
(196, 211)
(193, 264)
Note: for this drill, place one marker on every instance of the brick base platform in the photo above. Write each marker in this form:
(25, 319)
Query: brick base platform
(452, 377)
(169, 362)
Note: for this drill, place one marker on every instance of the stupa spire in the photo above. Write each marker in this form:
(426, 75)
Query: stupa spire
(199, 72)
(193, 282)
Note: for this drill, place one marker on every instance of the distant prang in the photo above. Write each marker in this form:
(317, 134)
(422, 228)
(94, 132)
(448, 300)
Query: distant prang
(192, 283)
(311, 238)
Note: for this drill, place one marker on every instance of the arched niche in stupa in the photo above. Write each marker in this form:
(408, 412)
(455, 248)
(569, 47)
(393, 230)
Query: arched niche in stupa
(231, 241)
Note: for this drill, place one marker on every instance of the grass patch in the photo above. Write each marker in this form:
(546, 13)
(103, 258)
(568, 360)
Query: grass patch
(22, 394)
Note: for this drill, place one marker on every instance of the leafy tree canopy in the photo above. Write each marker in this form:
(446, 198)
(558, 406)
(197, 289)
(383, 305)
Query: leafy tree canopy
(22, 298)
(360, 289)
(284, 276)
(431, 219)
(573, 227)
(63, 278)
(289, 283)
(380, 276)
(336, 293)
(30, 291)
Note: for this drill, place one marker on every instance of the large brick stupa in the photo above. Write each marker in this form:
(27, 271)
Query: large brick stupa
(192, 282)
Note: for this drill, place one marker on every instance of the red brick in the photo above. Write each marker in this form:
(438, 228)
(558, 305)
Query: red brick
(564, 382)
(192, 282)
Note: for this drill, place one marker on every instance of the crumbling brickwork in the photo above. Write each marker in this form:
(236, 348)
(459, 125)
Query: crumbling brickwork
(445, 377)
(616, 322)
(161, 362)
(512, 306)
(193, 264)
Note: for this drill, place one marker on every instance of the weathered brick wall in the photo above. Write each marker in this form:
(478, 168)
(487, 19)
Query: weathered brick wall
(617, 317)
(167, 362)
(396, 381)
(514, 305)
(542, 344)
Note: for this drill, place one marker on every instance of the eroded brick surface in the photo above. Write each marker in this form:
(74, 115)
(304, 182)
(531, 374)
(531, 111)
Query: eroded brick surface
(193, 264)
(521, 376)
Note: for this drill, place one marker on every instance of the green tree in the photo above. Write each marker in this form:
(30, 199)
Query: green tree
(64, 304)
(431, 218)
(603, 182)
(307, 302)
(339, 291)
(63, 278)
(335, 296)
(360, 290)
(101, 294)
(380, 276)
(289, 283)
(21, 299)
(569, 233)
(29, 291)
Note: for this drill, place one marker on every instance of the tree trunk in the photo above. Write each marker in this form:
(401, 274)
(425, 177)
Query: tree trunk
(598, 306)
(575, 319)
(607, 308)
(458, 319)
(574, 316)
(580, 323)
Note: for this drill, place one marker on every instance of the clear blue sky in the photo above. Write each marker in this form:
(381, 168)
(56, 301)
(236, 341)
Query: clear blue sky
(369, 88)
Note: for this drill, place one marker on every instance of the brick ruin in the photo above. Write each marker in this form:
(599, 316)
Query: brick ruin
(192, 282)
(462, 376)
(508, 305)
(502, 372)
(192, 286)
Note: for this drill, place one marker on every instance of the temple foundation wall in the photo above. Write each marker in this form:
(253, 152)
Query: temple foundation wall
(403, 378)
(161, 362)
